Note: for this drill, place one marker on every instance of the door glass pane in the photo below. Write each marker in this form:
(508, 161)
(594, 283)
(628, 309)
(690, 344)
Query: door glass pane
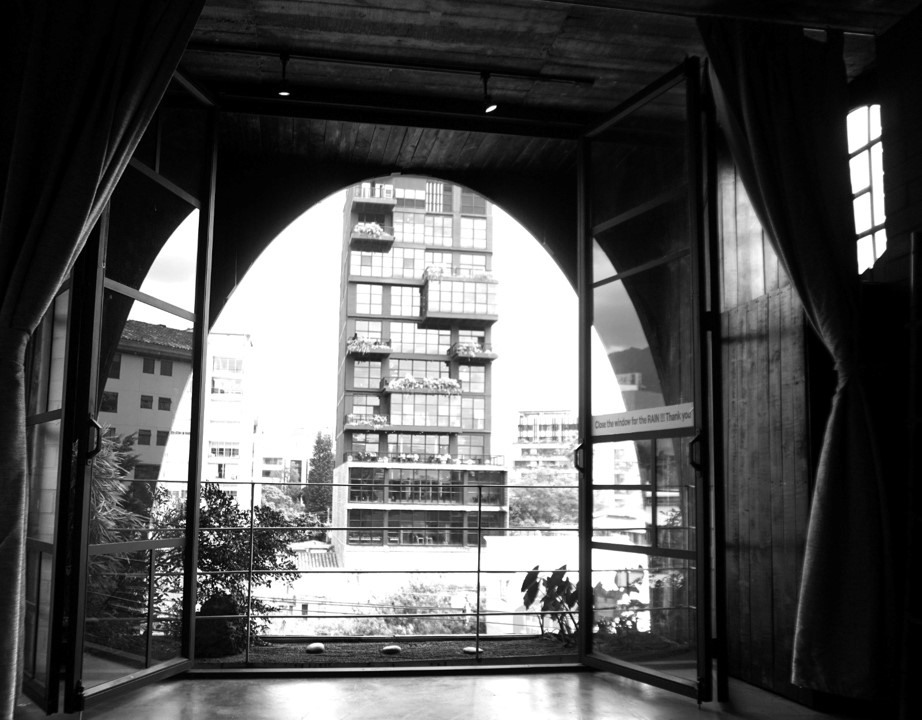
(643, 611)
(645, 324)
(39, 574)
(46, 350)
(641, 160)
(145, 408)
(644, 493)
(117, 605)
(148, 223)
(44, 454)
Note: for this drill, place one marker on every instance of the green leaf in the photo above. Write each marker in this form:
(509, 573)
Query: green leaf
(530, 579)
(530, 594)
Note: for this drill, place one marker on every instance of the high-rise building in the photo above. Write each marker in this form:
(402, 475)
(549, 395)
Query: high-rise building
(545, 443)
(415, 467)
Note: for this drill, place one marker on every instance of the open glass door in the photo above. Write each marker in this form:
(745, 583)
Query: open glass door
(115, 402)
(644, 559)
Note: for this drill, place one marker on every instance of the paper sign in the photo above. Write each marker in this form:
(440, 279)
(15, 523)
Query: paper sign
(670, 417)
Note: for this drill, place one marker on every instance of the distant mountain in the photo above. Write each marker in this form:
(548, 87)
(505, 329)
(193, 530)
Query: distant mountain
(637, 360)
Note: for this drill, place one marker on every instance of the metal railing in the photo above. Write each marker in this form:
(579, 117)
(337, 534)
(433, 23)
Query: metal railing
(299, 576)
(430, 458)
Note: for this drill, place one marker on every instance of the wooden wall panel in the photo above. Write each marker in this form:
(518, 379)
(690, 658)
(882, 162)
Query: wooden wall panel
(765, 438)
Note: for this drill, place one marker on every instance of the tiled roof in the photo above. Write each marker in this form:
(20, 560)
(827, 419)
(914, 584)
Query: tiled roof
(317, 559)
(158, 335)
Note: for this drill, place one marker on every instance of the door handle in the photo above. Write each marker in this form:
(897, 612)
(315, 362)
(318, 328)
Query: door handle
(578, 458)
(694, 453)
(98, 446)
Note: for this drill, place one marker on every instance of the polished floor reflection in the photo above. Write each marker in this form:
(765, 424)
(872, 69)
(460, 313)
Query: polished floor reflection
(530, 696)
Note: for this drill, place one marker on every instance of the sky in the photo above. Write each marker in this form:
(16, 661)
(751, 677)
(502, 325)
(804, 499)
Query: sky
(289, 305)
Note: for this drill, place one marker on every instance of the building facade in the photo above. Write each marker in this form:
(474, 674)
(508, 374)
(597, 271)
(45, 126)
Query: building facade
(418, 301)
(146, 379)
(545, 443)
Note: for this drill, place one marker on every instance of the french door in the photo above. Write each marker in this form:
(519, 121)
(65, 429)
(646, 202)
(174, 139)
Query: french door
(645, 528)
(114, 431)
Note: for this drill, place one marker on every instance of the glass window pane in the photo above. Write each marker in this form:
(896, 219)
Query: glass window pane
(865, 253)
(880, 243)
(857, 126)
(874, 127)
(860, 171)
(862, 205)
(877, 183)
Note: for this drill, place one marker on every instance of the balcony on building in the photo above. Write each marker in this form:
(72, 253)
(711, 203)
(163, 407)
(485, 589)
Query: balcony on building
(359, 421)
(375, 423)
(425, 385)
(423, 459)
(368, 348)
(371, 196)
(457, 297)
(472, 353)
(426, 486)
(371, 237)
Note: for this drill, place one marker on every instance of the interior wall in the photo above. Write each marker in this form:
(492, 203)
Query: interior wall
(885, 313)
(766, 457)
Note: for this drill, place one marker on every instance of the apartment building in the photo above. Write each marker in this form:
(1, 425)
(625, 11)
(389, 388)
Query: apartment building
(415, 468)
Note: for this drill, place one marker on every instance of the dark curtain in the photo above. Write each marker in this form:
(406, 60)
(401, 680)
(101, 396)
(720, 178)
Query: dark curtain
(80, 82)
(781, 101)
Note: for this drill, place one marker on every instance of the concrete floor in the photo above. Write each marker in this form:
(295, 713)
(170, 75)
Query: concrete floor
(531, 696)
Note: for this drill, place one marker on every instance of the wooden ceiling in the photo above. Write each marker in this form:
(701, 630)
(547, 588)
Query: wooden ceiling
(382, 86)
(555, 66)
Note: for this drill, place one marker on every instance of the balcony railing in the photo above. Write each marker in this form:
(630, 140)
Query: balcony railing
(472, 352)
(411, 384)
(417, 458)
(374, 194)
(368, 347)
(443, 306)
(371, 237)
(405, 492)
(357, 421)
(448, 272)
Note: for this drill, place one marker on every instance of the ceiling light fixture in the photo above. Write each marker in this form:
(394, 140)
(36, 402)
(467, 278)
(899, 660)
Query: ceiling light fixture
(488, 104)
(283, 86)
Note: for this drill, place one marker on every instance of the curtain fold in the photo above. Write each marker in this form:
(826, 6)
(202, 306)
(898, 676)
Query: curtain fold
(782, 103)
(81, 82)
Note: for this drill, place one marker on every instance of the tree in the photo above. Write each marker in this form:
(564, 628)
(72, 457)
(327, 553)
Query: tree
(114, 588)
(318, 493)
(225, 548)
(552, 500)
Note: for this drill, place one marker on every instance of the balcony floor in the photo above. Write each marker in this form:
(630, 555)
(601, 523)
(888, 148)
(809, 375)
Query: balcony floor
(536, 696)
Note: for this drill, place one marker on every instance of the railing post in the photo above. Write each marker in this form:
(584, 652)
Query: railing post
(249, 613)
(479, 545)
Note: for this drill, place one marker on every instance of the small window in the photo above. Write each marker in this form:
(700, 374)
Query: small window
(166, 367)
(115, 367)
(162, 436)
(109, 401)
(147, 402)
(147, 365)
(143, 437)
(866, 168)
(164, 403)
